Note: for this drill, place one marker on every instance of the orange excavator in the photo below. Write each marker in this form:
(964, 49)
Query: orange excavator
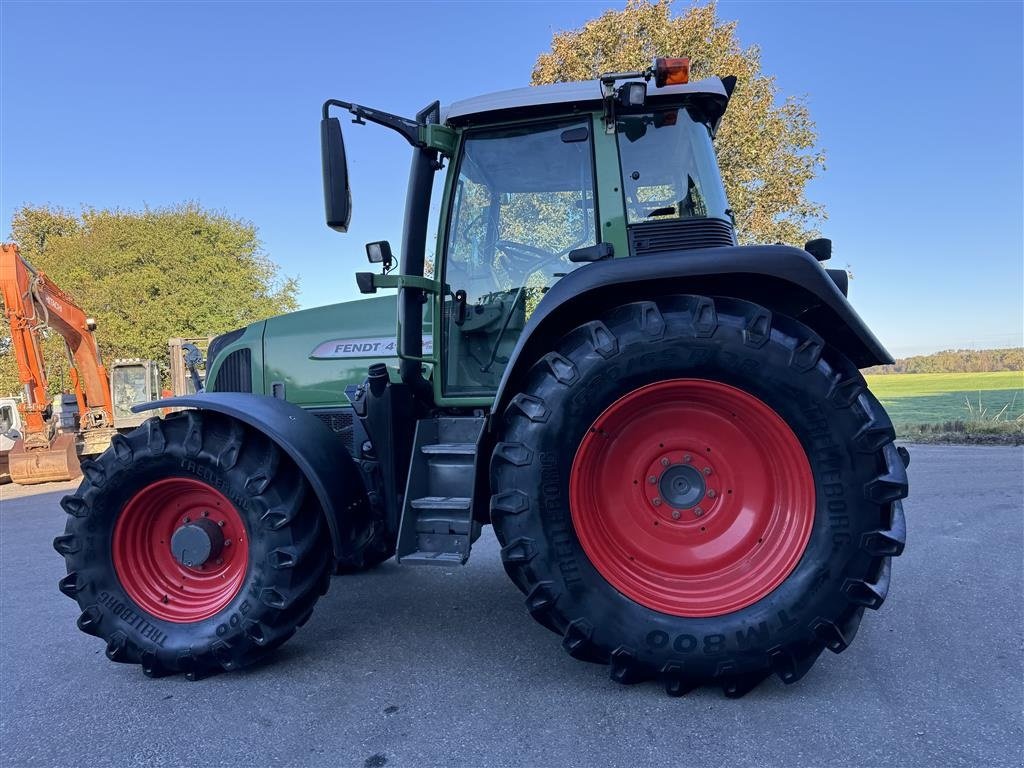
(33, 303)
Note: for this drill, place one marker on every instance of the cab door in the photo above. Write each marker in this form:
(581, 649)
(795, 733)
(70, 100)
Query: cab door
(522, 201)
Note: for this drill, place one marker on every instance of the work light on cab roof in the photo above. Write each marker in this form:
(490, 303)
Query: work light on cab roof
(633, 94)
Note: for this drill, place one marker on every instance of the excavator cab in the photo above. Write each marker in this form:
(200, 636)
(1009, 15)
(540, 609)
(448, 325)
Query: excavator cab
(133, 381)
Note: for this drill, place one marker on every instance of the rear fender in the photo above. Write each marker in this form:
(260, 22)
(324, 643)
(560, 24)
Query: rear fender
(315, 449)
(783, 279)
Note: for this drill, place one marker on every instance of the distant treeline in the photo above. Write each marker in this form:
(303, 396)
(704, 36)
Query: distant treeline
(958, 361)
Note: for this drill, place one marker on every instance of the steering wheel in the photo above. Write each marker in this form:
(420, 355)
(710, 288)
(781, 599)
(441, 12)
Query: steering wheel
(525, 258)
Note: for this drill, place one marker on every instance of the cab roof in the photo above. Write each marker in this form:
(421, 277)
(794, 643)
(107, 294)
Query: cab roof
(560, 97)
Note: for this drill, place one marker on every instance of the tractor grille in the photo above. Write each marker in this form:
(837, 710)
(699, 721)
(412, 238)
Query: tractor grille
(235, 373)
(679, 235)
(340, 423)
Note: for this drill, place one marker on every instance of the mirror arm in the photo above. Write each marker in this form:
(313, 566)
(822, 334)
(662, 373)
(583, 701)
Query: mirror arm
(409, 129)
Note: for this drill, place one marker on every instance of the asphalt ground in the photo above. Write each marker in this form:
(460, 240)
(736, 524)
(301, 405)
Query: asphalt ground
(410, 666)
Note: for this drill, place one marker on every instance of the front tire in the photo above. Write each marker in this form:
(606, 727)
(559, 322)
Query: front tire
(193, 545)
(700, 491)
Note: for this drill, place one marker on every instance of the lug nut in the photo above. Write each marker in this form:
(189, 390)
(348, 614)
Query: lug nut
(227, 542)
(187, 519)
(707, 470)
(206, 513)
(220, 523)
(675, 514)
(652, 479)
(656, 502)
(665, 462)
(711, 493)
(220, 561)
(698, 511)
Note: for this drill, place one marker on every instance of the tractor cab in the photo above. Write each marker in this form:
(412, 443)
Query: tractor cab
(539, 182)
(524, 210)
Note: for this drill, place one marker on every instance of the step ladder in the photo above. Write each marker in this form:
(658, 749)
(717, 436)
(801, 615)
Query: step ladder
(437, 526)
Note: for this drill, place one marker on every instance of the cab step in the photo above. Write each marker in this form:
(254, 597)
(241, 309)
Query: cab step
(450, 449)
(437, 526)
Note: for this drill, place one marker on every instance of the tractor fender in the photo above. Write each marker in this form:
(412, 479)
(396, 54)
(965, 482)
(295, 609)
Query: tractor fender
(315, 449)
(781, 278)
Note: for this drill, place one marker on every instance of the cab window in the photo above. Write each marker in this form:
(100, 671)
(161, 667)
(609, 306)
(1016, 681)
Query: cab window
(523, 201)
(669, 171)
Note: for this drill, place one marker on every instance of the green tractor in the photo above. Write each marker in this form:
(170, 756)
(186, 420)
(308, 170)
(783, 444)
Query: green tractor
(688, 477)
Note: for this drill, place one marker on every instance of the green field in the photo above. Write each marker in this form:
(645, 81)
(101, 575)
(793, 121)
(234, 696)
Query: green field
(937, 398)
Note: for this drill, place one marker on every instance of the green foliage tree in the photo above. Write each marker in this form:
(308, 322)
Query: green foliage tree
(767, 147)
(148, 276)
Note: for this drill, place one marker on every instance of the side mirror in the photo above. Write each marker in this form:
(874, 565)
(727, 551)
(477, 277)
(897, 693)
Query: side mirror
(820, 248)
(379, 252)
(337, 196)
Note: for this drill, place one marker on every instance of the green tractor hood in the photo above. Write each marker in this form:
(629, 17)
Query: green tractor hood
(309, 357)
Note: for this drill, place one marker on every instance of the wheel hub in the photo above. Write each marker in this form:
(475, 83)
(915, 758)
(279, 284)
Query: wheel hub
(682, 486)
(677, 484)
(196, 543)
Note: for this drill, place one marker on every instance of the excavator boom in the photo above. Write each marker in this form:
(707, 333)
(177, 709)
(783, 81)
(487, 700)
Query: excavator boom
(33, 302)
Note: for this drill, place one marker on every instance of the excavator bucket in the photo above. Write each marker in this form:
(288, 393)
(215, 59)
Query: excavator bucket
(59, 461)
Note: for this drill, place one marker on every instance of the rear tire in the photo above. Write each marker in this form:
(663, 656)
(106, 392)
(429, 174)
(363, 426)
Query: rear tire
(233, 608)
(572, 539)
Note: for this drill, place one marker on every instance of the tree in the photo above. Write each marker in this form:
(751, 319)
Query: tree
(149, 275)
(767, 148)
(957, 361)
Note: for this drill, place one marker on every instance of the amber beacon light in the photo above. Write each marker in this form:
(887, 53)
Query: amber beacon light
(671, 71)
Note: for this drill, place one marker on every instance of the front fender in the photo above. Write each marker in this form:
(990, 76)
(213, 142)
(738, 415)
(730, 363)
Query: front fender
(783, 279)
(315, 449)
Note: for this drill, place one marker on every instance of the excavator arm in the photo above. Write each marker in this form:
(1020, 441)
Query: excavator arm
(33, 302)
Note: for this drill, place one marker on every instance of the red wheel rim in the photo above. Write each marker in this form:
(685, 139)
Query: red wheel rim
(146, 566)
(692, 497)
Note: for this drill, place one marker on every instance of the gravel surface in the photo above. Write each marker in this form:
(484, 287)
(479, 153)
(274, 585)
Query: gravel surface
(410, 666)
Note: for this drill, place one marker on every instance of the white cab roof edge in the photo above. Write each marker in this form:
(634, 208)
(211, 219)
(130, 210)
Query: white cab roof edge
(563, 93)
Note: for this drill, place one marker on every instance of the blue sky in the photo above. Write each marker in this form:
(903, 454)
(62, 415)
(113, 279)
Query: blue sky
(919, 106)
